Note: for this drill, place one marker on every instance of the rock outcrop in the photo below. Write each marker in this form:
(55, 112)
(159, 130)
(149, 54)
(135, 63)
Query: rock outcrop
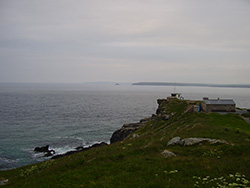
(175, 141)
(125, 131)
(193, 141)
(162, 112)
(42, 149)
(162, 106)
(50, 153)
(46, 150)
(167, 154)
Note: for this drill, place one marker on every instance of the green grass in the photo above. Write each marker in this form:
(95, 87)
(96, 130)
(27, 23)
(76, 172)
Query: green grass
(247, 115)
(137, 162)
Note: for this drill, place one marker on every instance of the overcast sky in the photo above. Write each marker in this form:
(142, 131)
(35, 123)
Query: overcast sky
(201, 41)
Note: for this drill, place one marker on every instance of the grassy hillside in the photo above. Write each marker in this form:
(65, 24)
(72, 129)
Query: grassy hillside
(138, 161)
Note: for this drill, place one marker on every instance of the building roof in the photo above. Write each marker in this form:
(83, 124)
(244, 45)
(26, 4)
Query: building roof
(219, 101)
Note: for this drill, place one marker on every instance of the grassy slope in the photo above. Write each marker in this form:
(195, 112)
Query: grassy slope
(137, 162)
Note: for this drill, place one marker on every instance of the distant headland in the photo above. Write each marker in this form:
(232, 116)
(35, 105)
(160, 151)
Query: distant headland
(192, 84)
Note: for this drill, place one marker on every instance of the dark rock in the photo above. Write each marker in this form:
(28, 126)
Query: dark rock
(125, 131)
(50, 153)
(79, 148)
(160, 101)
(154, 116)
(145, 120)
(120, 135)
(65, 154)
(162, 112)
(42, 149)
(162, 106)
(98, 145)
(45, 149)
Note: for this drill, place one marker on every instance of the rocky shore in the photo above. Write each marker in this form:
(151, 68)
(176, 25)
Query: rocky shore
(51, 153)
(127, 129)
(118, 135)
(176, 147)
(121, 134)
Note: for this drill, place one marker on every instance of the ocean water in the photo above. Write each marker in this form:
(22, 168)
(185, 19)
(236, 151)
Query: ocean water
(66, 116)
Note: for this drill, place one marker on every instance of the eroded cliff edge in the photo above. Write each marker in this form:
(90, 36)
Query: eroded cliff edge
(161, 114)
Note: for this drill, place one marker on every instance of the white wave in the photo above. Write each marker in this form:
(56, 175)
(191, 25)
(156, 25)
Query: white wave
(38, 156)
(62, 150)
(7, 163)
(70, 137)
(88, 144)
(67, 148)
(8, 160)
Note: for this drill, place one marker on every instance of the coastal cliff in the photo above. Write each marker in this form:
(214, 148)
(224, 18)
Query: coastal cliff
(175, 147)
(127, 129)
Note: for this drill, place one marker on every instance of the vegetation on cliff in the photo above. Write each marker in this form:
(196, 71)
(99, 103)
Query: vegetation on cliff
(144, 158)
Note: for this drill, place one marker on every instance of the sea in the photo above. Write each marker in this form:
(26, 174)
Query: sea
(65, 116)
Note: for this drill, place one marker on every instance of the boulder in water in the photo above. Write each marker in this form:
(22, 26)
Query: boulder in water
(42, 149)
(45, 149)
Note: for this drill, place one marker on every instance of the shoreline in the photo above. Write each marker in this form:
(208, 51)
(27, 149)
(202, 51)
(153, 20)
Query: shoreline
(122, 133)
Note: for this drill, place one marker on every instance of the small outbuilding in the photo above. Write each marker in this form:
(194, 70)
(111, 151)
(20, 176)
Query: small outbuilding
(177, 96)
(218, 105)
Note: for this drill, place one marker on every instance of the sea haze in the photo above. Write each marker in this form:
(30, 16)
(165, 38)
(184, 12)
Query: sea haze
(69, 115)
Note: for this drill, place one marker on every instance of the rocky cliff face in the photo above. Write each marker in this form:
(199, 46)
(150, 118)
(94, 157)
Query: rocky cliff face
(127, 129)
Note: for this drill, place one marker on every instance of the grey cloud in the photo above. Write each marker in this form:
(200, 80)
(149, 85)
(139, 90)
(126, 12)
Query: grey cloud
(163, 39)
